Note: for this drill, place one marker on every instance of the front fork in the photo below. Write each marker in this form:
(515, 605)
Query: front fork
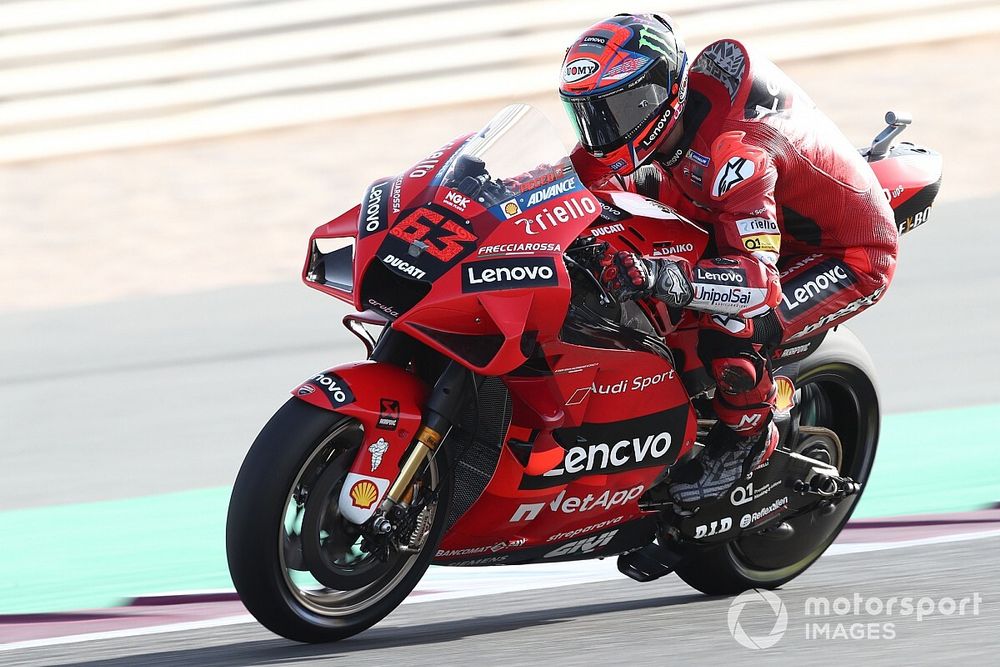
(447, 399)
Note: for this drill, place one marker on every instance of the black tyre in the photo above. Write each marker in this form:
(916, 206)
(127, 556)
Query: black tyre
(838, 392)
(285, 535)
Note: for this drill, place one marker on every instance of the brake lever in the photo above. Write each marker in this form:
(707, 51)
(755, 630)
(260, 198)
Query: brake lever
(595, 250)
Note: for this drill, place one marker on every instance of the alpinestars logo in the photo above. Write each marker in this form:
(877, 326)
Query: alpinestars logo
(734, 172)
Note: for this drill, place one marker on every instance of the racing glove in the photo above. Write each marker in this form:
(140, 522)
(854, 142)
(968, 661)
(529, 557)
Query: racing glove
(627, 276)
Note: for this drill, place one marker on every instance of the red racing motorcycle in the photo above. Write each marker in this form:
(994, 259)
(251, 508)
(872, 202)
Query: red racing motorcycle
(510, 411)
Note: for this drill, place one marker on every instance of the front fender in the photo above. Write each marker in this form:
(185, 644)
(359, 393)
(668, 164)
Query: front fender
(389, 402)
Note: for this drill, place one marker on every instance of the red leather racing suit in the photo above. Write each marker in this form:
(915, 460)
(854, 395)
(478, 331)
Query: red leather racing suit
(803, 235)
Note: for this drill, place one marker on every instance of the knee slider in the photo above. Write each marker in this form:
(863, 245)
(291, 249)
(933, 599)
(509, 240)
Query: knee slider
(734, 375)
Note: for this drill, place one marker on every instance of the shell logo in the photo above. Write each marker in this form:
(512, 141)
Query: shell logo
(364, 494)
(785, 399)
(511, 208)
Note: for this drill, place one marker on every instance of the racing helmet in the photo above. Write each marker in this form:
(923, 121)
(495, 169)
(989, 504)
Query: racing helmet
(624, 83)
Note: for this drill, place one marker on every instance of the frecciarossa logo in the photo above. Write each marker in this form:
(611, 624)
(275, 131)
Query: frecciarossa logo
(501, 274)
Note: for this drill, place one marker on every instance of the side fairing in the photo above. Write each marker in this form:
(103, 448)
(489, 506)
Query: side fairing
(616, 418)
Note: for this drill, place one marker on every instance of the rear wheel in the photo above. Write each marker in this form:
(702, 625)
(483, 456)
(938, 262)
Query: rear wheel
(839, 393)
(301, 569)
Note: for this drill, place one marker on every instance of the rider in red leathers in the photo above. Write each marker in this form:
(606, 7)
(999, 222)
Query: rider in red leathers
(802, 235)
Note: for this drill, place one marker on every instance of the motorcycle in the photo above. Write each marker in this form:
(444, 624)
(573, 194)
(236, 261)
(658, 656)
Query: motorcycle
(509, 411)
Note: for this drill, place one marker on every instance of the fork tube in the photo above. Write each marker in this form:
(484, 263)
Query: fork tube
(444, 406)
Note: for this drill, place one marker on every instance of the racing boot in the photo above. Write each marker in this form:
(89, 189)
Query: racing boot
(726, 458)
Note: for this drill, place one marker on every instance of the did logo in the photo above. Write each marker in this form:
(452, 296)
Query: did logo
(756, 609)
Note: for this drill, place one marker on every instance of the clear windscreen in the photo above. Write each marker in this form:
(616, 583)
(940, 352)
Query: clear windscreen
(517, 151)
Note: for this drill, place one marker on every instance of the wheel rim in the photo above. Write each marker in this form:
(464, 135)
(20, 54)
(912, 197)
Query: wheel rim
(831, 397)
(340, 546)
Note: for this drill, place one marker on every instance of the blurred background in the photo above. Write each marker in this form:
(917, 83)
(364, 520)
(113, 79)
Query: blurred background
(163, 163)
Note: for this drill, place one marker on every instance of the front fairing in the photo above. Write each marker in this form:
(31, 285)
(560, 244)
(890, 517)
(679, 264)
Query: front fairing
(464, 251)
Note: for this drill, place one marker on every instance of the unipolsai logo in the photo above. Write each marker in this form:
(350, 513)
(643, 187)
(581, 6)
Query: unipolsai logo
(751, 608)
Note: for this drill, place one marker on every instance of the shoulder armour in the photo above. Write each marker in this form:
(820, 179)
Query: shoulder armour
(736, 163)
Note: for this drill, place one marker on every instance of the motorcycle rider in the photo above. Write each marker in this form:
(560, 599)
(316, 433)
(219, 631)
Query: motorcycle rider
(802, 235)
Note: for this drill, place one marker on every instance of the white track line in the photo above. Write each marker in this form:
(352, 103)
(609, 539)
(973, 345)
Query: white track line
(476, 582)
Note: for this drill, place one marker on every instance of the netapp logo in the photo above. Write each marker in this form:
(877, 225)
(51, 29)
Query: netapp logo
(502, 274)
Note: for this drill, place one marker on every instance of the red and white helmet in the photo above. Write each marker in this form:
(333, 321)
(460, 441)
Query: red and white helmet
(624, 83)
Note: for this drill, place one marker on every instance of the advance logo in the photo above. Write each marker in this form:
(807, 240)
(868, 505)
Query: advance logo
(502, 274)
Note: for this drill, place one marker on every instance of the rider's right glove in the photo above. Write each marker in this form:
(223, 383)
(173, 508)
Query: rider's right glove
(628, 276)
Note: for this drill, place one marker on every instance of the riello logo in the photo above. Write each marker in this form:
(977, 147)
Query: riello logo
(572, 209)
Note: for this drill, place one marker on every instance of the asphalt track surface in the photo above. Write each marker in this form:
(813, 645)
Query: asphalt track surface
(623, 622)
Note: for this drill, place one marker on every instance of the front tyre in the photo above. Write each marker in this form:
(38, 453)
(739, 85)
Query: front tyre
(839, 393)
(301, 569)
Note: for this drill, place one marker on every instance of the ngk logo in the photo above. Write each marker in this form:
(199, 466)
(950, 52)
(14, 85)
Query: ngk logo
(456, 200)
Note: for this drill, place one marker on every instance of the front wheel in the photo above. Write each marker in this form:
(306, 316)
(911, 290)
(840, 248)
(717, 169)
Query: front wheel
(839, 393)
(301, 569)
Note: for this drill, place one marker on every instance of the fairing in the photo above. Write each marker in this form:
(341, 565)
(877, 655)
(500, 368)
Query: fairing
(389, 403)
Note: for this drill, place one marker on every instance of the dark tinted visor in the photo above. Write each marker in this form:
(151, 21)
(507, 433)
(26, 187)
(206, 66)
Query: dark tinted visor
(606, 122)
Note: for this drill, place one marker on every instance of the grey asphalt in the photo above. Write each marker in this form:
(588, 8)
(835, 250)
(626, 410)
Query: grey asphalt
(624, 623)
(153, 395)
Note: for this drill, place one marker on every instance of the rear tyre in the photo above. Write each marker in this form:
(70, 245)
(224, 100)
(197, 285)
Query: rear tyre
(298, 566)
(840, 393)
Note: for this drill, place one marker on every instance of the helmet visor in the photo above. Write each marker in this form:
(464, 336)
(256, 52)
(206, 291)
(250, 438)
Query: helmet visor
(606, 122)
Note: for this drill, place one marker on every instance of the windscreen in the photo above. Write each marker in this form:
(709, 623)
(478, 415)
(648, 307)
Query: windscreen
(517, 151)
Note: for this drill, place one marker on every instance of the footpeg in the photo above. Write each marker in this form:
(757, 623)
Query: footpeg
(819, 483)
(646, 564)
